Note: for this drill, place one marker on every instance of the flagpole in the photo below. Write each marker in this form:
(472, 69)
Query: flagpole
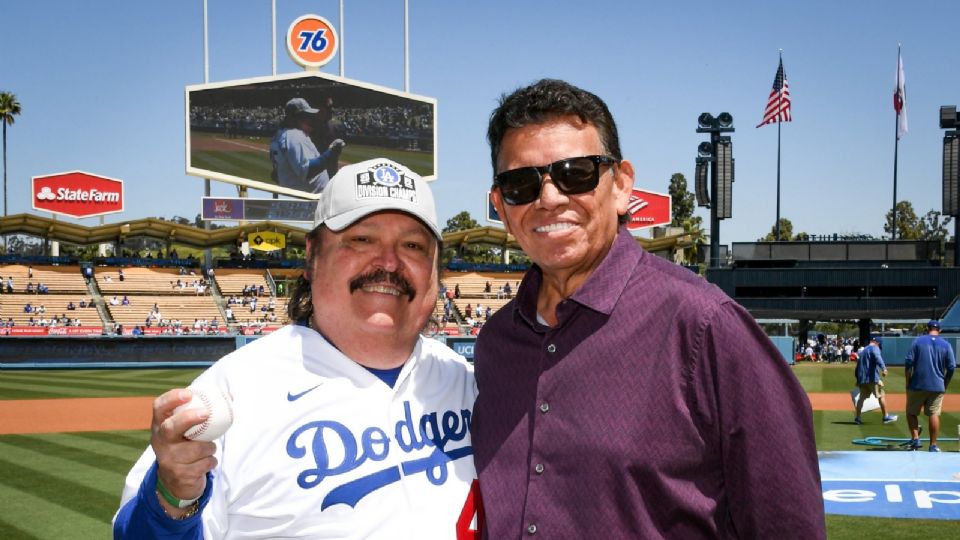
(779, 108)
(896, 148)
(777, 239)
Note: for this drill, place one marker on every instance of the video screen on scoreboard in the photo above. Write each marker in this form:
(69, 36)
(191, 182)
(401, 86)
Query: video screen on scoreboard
(289, 134)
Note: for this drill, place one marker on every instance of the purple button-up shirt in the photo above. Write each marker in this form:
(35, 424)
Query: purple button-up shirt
(655, 408)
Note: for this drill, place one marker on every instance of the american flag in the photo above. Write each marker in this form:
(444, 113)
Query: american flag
(778, 105)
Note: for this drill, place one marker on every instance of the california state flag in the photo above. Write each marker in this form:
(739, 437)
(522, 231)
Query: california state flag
(900, 99)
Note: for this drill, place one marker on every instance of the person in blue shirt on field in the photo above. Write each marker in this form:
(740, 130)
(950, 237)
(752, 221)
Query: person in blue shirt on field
(870, 373)
(930, 364)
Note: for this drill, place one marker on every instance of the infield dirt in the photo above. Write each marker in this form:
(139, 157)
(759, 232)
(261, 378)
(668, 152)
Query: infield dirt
(106, 414)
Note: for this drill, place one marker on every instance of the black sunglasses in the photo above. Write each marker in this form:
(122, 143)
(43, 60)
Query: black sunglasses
(572, 176)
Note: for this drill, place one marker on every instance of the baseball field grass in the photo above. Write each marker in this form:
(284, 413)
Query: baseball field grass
(67, 485)
(248, 157)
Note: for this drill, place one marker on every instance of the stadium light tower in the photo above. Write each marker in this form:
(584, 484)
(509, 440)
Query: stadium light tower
(951, 164)
(717, 154)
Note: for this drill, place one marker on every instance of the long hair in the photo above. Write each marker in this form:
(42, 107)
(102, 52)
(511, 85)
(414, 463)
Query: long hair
(300, 306)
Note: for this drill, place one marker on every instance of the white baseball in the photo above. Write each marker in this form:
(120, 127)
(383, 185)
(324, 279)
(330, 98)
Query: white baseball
(220, 407)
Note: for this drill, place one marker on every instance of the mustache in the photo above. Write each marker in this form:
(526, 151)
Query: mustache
(382, 276)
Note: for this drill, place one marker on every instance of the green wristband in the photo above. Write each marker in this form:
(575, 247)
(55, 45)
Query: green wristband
(167, 496)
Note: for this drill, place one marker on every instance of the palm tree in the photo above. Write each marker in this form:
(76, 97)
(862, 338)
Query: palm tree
(9, 108)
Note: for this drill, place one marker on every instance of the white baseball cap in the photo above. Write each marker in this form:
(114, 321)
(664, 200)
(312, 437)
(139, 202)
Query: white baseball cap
(375, 185)
(298, 106)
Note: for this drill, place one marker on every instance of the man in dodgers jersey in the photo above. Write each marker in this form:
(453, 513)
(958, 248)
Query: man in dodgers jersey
(348, 424)
(297, 163)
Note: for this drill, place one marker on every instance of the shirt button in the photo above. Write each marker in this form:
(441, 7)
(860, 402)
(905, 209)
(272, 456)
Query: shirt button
(544, 407)
(551, 348)
(532, 528)
(538, 468)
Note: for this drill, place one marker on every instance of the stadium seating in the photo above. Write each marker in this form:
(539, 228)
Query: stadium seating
(11, 307)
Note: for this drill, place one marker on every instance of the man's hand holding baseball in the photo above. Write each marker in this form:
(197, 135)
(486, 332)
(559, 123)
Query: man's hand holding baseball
(182, 464)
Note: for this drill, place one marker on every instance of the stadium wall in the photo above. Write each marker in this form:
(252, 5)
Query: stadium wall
(114, 352)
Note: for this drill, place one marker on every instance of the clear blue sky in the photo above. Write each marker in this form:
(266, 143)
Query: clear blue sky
(102, 83)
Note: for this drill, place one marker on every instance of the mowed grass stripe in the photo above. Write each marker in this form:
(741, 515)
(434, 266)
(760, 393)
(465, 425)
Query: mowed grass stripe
(136, 440)
(92, 383)
(74, 468)
(92, 453)
(83, 495)
(8, 530)
(44, 518)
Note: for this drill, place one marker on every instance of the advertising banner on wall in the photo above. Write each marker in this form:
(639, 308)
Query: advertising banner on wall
(648, 209)
(77, 194)
(266, 240)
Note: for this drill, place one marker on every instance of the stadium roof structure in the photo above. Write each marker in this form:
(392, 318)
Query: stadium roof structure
(73, 233)
(160, 229)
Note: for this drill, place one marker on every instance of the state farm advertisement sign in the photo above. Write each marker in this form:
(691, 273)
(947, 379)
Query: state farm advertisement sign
(648, 209)
(77, 194)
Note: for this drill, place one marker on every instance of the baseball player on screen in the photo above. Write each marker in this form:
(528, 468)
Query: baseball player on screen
(347, 424)
(297, 164)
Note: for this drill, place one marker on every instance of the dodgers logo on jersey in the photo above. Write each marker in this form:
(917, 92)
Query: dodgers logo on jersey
(385, 181)
(326, 438)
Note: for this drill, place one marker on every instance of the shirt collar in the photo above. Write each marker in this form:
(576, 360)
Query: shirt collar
(599, 292)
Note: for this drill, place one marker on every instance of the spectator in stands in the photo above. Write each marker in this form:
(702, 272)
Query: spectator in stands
(121, 276)
(114, 301)
(10, 284)
(500, 293)
(71, 306)
(507, 291)
(487, 313)
(42, 289)
(487, 289)
(31, 321)
(442, 293)
(11, 323)
(260, 290)
(87, 273)
(30, 289)
(29, 272)
(271, 304)
(83, 303)
(27, 308)
(468, 311)
(478, 310)
(456, 291)
(228, 312)
(118, 329)
(125, 301)
(107, 279)
(253, 305)
(40, 309)
(137, 331)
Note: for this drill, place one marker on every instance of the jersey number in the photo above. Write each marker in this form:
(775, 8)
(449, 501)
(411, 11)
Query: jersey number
(469, 528)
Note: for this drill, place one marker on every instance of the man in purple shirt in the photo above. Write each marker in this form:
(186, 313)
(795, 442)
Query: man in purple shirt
(622, 396)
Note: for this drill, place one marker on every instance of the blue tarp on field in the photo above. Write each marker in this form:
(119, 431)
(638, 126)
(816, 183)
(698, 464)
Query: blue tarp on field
(897, 484)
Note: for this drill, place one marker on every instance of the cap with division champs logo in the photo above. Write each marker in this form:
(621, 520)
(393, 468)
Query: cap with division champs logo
(375, 185)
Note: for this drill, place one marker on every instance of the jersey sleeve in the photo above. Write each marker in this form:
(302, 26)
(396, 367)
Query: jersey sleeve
(142, 517)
